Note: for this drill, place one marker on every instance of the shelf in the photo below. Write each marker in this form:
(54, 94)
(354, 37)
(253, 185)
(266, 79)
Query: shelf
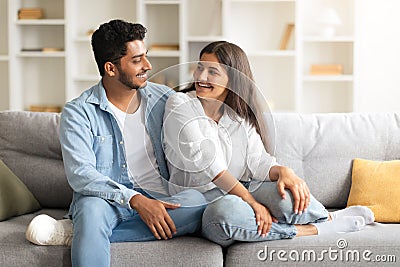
(161, 2)
(41, 54)
(50, 22)
(165, 53)
(205, 38)
(271, 53)
(283, 75)
(261, 1)
(321, 39)
(328, 78)
(87, 78)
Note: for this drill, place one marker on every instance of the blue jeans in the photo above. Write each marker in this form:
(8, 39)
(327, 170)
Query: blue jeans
(229, 218)
(97, 223)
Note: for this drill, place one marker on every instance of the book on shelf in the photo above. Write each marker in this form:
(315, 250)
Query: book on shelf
(163, 47)
(52, 49)
(288, 32)
(45, 108)
(43, 49)
(30, 13)
(326, 69)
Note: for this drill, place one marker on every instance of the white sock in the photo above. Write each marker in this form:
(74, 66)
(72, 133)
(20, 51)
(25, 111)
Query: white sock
(362, 211)
(343, 224)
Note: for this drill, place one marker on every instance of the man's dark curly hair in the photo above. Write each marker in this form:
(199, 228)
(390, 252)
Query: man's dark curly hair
(109, 41)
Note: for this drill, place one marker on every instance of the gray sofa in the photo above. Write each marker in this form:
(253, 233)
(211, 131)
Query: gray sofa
(319, 148)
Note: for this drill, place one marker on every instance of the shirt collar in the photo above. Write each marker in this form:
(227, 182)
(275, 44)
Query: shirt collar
(99, 97)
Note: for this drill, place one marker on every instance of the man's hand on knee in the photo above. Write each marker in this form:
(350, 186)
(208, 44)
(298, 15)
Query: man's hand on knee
(154, 214)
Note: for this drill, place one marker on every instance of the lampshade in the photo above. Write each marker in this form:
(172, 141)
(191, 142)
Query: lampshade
(329, 16)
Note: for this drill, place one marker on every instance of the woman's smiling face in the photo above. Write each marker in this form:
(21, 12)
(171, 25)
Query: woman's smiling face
(210, 78)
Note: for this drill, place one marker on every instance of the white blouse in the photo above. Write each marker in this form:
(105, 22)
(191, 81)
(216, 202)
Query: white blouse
(198, 149)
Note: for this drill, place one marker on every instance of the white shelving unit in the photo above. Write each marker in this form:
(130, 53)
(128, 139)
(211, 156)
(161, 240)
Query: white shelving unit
(4, 58)
(163, 20)
(51, 78)
(202, 24)
(325, 93)
(82, 20)
(274, 69)
(36, 77)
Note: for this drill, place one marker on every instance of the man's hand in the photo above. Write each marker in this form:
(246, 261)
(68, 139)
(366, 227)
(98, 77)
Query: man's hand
(287, 179)
(154, 214)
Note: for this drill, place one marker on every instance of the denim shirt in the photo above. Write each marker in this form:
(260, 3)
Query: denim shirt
(93, 147)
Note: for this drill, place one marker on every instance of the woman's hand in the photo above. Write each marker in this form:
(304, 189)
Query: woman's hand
(287, 179)
(263, 218)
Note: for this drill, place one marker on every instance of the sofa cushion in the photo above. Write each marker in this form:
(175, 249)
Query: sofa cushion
(15, 250)
(15, 198)
(30, 147)
(376, 184)
(378, 244)
(33, 133)
(179, 251)
(321, 147)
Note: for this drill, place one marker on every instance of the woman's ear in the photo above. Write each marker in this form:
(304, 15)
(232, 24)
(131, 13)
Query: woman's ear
(110, 69)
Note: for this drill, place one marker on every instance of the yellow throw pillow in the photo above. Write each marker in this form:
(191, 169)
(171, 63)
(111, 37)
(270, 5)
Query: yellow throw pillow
(376, 184)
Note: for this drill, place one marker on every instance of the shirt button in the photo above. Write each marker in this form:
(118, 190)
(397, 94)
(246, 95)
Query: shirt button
(123, 165)
(102, 139)
(122, 201)
(121, 142)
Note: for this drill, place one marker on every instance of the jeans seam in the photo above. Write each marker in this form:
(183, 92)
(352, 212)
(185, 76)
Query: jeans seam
(281, 235)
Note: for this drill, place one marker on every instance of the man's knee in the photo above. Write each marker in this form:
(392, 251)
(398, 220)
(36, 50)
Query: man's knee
(93, 214)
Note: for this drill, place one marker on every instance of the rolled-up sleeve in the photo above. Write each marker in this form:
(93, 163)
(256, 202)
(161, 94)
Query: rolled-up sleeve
(259, 161)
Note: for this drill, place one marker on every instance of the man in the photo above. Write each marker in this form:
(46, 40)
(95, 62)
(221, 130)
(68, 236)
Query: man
(115, 184)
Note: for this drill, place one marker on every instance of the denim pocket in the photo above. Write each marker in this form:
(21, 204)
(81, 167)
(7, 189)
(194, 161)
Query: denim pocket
(103, 148)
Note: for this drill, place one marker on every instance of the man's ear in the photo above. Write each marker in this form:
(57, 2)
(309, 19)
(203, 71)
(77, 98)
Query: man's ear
(110, 69)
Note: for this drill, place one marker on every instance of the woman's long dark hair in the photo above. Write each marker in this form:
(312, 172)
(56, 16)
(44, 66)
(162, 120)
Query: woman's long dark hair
(243, 96)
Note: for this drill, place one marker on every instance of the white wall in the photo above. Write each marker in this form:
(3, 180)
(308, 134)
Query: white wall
(377, 56)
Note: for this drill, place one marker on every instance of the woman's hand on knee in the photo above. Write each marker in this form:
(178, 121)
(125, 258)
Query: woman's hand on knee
(287, 179)
(263, 218)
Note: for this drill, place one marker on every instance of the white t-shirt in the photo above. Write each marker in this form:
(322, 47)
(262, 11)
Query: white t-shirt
(141, 160)
(198, 149)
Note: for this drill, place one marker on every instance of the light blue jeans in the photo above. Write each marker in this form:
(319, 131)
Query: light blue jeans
(97, 223)
(229, 218)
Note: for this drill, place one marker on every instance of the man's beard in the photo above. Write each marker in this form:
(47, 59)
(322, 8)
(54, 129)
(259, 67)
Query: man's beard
(127, 81)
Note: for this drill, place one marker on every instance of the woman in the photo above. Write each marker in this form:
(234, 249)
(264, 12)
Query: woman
(214, 138)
